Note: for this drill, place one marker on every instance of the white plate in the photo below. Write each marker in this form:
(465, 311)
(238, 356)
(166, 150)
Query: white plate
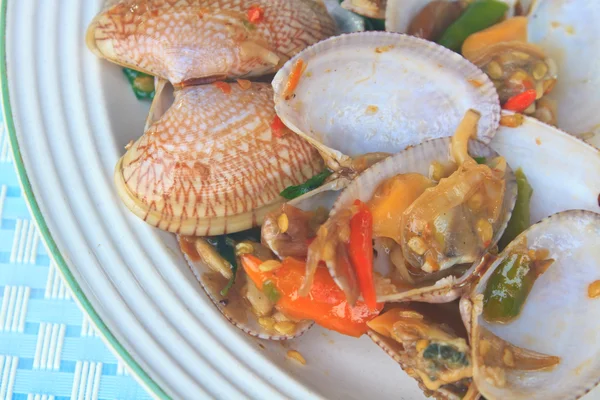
(69, 115)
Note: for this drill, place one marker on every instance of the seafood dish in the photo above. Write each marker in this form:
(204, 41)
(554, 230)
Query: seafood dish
(432, 186)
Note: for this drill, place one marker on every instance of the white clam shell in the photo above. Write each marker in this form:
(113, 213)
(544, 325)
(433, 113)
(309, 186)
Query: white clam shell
(568, 30)
(418, 159)
(561, 169)
(249, 324)
(378, 91)
(558, 318)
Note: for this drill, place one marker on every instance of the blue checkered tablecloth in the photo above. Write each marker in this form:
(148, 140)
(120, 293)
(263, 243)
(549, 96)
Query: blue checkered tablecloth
(49, 350)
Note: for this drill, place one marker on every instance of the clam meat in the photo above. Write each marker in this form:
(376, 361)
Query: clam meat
(435, 211)
(533, 313)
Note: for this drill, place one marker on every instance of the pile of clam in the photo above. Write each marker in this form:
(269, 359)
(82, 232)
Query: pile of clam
(384, 112)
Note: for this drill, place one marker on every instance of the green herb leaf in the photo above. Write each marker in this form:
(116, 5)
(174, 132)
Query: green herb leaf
(271, 291)
(291, 192)
(445, 355)
(480, 160)
(142, 84)
(374, 24)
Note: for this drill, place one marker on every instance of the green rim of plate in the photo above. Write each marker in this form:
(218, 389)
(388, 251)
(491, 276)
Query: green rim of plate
(150, 385)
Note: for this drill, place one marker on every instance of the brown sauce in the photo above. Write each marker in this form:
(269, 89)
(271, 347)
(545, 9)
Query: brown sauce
(186, 244)
(234, 306)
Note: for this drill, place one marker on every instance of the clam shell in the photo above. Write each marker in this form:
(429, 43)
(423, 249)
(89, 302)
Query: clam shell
(201, 38)
(562, 169)
(236, 311)
(366, 92)
(447, 314)
(395, 350)
(568, 32)
(559, 318)
(418, 159)
(345, 20)
(211, 164)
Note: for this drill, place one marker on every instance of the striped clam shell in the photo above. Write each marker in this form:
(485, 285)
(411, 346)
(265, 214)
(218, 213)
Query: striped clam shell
(378, 91)
(212, 164)
(559, 317)
(418, 159)
(192, 39)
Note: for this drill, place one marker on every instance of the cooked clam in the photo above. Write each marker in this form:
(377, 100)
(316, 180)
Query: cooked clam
(365, 92)
(516, 67)
(431, 345)
(286, 230)
(198, 40)
(562, 31)
(436, 231)
(243, 304)
(213, 163)
(533, 314)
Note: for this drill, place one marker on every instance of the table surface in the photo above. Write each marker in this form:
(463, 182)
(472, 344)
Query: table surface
(48, 347)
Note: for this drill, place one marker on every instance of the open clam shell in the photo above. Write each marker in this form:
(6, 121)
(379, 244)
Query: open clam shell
(212, 164)
(418, 159)
(434, 318)
(562, 169)
(567, 31)
(233, 306)
(365, 92)
(183, 41)
(558, 317)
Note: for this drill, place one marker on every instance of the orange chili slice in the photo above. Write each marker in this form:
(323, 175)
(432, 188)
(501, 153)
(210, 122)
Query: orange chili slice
(326, 304)
(224, 86)
(255, 14)
(278, 127)
(294, 79)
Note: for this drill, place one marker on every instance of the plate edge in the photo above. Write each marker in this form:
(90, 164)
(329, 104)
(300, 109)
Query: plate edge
(80, 298)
